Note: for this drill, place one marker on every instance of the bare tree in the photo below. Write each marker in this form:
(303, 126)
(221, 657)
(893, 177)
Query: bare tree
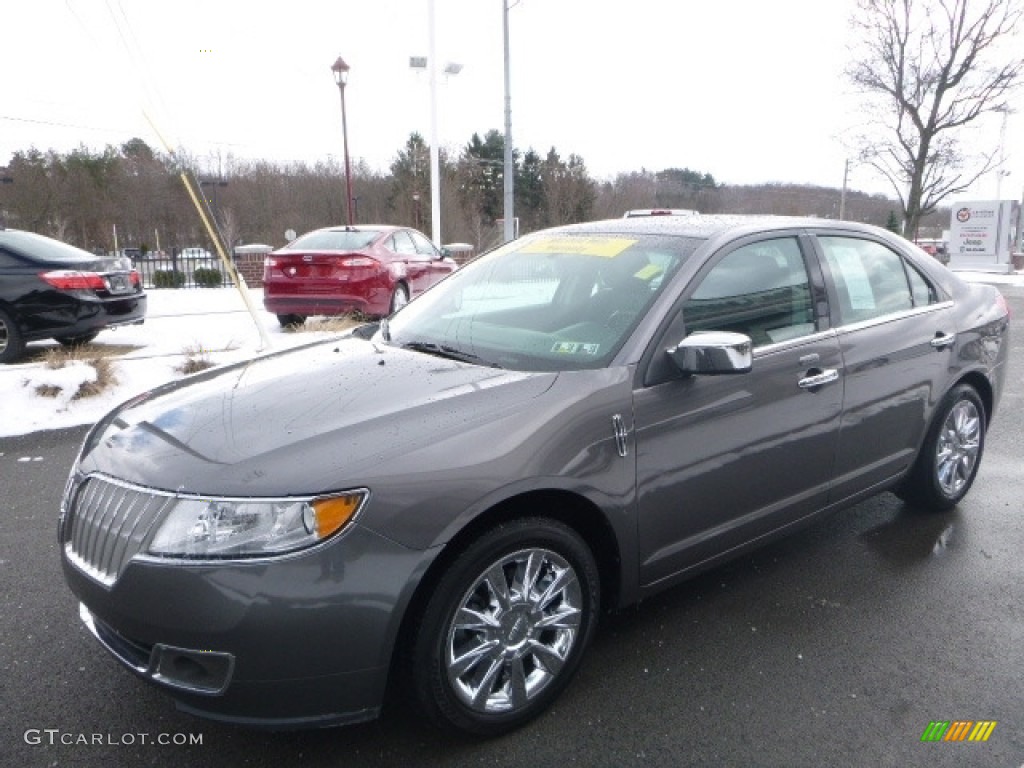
(935, 66)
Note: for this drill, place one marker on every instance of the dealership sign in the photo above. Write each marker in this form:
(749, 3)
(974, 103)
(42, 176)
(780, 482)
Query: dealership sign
(980, 229)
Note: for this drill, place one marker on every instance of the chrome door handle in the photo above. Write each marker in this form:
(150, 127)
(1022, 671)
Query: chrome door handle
(943, 340)
(825, 377)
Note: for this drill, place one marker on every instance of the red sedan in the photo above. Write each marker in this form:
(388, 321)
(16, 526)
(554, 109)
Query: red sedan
(373, 270)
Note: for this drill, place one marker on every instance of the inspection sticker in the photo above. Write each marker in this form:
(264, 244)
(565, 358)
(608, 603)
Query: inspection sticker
(575, 348)
(607, 247)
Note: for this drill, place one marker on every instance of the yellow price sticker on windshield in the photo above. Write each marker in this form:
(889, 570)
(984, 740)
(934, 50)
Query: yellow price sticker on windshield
(606, 247)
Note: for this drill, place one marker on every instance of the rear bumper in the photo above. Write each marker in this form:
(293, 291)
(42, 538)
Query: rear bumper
(77, 317)
(319, 305)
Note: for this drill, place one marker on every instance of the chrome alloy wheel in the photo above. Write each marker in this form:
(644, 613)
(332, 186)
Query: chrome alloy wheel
(957, 448)
(513, 631)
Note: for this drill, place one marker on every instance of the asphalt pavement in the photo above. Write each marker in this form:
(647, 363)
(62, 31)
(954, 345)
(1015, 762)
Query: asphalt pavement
(836, 647)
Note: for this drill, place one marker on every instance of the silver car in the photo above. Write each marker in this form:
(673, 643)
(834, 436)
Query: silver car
(449, 499)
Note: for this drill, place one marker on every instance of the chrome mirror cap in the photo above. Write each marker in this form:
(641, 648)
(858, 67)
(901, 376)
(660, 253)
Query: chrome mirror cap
(713, 352)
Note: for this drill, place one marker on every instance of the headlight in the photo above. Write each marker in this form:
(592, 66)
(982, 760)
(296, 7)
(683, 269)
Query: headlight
(199, 527)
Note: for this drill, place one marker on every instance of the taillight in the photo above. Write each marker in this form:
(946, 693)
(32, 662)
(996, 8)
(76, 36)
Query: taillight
(136, 278)
(356, 261)
(69, 280)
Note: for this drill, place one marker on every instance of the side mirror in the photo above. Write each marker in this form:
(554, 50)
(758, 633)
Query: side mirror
(713, 352)
(445, 252)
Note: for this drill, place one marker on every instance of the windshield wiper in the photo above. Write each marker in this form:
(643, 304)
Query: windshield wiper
(450, 353)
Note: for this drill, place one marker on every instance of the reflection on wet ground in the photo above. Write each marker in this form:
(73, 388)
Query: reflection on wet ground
(913, 535)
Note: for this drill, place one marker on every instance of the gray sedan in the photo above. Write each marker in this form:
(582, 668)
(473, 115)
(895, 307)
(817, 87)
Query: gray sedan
(443, 504)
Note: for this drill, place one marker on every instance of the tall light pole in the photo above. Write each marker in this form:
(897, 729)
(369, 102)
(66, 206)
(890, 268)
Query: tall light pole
(1000, 168)
(340, 69)
(509, 187)
(451, 68)
(842, 197)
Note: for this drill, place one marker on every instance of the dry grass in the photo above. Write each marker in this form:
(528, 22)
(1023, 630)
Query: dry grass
(60, 357)
(196, 360)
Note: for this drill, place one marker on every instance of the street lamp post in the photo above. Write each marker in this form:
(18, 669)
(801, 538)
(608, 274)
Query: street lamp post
(509, 180)
(450, 69)
(340, 69)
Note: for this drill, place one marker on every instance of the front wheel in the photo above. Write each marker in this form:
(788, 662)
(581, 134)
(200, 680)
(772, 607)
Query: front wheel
(951, 454)
(506, 627)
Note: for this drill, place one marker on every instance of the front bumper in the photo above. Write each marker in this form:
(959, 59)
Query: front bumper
(296, 641)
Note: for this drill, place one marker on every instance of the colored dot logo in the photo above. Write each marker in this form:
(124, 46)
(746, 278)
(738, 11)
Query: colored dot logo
(958, 730)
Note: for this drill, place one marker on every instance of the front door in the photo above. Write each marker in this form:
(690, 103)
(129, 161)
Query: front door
(724, 460)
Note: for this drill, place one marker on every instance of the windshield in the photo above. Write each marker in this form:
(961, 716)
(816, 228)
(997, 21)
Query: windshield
(547, 302)
(333, 240)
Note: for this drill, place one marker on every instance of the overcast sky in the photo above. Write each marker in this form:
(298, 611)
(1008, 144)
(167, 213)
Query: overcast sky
(747, 90)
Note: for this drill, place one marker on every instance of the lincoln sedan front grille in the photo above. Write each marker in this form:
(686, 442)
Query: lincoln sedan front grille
(108, 522)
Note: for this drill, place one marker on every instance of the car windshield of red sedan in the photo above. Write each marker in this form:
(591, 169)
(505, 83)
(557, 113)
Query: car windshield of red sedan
(334, 240)
(549, 302)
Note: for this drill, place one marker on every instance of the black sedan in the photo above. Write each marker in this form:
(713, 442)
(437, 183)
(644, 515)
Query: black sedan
(445, 502)
(52, 290)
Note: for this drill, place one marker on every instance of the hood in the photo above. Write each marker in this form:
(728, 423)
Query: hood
(312, 420)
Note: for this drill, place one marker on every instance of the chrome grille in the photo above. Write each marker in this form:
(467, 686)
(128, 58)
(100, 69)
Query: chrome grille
(107, 524)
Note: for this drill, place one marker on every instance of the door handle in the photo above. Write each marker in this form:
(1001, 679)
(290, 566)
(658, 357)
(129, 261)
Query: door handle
(816, 380)
(943, 340)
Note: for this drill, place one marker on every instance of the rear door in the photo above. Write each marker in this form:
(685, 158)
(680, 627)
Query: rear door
(415, 266)
(723, 460)
(896, 330)
(438, 268)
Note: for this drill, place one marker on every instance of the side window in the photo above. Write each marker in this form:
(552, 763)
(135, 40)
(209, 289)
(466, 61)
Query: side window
(870, 279)
(423, 246)
(760, 289)
(402, 243)
(921, 290)
(9, 260)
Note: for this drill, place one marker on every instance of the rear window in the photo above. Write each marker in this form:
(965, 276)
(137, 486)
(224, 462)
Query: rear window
(333, 240)
(44, 249)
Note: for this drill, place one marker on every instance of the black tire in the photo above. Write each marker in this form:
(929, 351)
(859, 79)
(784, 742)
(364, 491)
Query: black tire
(399, 298)
(951, 453)
(12, 344)
(524, 658)
(77, 341)
(290, 320)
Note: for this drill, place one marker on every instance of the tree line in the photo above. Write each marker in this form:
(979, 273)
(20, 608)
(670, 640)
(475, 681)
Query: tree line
(137, 194)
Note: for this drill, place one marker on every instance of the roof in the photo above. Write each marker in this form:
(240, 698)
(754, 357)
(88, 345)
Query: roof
(707, 226)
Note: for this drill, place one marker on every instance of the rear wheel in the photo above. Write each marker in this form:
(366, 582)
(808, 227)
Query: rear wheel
(12, 345)
(506, 627)
(288, 320)
(77, 341)
(399, 298)
(949, 458)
